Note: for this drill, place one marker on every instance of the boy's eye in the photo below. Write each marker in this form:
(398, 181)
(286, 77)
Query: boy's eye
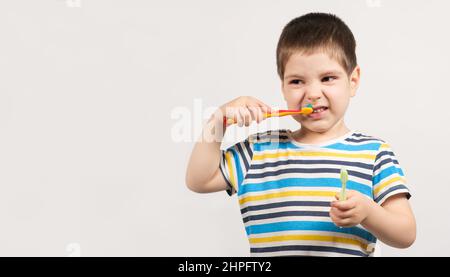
(295, 82)
(328, 79)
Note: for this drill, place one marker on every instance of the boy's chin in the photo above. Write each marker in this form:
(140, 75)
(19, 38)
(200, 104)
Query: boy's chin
(321, 126)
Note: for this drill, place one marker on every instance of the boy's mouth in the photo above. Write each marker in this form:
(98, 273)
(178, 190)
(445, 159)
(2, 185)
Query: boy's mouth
(318, 112)
(319, 109)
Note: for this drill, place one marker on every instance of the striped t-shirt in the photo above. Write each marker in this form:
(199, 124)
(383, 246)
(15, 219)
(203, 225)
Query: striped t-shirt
(285, 188)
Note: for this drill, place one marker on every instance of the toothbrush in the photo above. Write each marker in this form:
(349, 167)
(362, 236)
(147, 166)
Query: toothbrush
(304, 110)
(344, 178)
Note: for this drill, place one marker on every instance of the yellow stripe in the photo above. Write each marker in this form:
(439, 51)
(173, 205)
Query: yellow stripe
(384, 184)
(287, 194)
(310, 237)
(228, 157)
(327, 154)
(384, 146)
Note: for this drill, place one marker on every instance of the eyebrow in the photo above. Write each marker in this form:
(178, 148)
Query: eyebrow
(294, 75)
(330, 72)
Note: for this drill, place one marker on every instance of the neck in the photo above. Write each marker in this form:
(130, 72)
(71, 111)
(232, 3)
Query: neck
(305, 135)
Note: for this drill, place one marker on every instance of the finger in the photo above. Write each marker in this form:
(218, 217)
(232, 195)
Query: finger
(351, 193)
(346, 222)
(342, 214)
(254, 113)
(338, 196)
(228, 114)
(245, 113)
(239, 118)
(260, 114)
(343, 205)
(336, 220)
(248, 117)
(264, 106)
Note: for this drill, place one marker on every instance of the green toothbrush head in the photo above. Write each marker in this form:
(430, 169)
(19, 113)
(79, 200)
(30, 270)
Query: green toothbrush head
(344, 179)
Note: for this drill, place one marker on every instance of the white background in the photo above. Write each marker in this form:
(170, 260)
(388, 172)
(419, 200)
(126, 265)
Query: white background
(90, 92)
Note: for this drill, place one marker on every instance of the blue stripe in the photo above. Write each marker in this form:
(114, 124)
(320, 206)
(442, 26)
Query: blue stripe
(352, 147)
(304, 182)
(308, 226)
(275, 145)
(337, 146)
(238, 168)
(386, 173)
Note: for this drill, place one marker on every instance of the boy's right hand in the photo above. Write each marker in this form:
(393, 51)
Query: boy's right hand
(243, 110)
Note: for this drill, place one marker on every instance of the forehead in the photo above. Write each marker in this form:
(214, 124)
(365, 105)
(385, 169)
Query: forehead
(312, 63)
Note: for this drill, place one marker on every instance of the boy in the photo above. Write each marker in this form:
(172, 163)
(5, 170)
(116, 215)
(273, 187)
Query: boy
(288, 183)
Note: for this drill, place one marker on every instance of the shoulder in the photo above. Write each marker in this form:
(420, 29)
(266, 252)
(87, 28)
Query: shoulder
(360, 137)
(363, 138)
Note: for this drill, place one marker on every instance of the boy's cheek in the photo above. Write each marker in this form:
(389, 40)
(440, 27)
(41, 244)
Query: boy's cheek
(293, 96)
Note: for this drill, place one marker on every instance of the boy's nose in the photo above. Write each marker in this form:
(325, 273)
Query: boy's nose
(313, 100)
(313, 93)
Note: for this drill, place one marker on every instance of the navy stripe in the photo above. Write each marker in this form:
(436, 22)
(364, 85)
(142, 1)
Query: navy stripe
(384, 153)
(243, 157)
(249, 149)
(271, 136)
(307, 248)
(386, 161)
(308, 170)
(321, 162)
(381, 196)
(285, 204)
(361, 140)
(361, 135)
(283, 214)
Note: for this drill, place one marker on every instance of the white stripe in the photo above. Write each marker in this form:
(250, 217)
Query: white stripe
(311, 158)
(287, 219)
(315, 150)
(287, 198)
(312, 166)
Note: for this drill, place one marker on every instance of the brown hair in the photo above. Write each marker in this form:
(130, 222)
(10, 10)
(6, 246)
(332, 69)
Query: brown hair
(317, 31)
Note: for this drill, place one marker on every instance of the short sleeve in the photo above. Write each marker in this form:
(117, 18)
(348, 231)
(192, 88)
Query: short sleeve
(234, 164)
(388, 178)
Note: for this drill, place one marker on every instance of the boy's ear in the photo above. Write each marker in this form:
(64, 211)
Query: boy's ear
(354, 80)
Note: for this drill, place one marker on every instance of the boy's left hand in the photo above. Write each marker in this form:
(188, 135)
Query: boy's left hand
(351, 212)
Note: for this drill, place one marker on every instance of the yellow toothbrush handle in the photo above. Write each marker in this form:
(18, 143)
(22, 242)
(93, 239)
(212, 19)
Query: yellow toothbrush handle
(229, 121)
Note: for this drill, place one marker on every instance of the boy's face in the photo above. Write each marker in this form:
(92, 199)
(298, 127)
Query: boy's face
(320, 80)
